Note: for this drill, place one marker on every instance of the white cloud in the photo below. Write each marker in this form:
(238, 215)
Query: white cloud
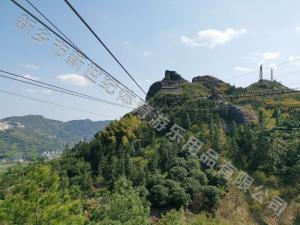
(298, 29)
(31, 77)
(266, 58)
(242, 69)
(146, 53)
(294, 60)
(31, 90)
(46, 91)
(212, 38)
(43, 91)
(189, 42)
(74, 79)
(270, 55)
(148, 81)
(31, 66)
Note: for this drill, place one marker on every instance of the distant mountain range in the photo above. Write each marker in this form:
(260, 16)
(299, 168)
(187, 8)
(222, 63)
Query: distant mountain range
(26, 137)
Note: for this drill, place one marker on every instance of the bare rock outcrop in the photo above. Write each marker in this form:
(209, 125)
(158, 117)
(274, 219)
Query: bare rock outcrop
(171, 80)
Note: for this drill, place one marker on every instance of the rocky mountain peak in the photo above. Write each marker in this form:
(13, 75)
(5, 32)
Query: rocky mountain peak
(209, 81)
(172, 76)
(171, 80)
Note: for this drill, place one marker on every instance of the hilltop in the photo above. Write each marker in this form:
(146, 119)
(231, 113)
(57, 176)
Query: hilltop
(267, 85)
(174, 83)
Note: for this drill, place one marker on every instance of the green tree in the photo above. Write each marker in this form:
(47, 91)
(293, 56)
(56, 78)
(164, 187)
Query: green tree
(177, 173)
(173, 217)
(123, 206)
(199, 176)
(177, 196)
(159, 195)
(191, 186)
(34, 197)
(202, 219)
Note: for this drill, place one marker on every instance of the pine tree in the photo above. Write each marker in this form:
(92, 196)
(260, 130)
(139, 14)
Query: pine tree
(124, 206)
(35, 198)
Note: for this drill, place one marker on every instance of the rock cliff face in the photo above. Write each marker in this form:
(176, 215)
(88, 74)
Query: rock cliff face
(238, 114)
(171, 80)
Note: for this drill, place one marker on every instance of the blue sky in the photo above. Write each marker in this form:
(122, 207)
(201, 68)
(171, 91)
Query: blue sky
(227, 39)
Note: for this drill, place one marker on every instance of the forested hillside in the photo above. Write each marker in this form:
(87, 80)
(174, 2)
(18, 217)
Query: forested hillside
(138, 171)
(30, 137)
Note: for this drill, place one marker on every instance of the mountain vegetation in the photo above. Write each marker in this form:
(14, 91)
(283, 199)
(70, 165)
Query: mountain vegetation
(27, 137)
(131, 174)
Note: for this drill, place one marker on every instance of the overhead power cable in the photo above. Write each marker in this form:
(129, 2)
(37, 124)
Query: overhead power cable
(50, 22)
(74, 47)
(58, 89)
(51, 103)
(263, 94)
(65, 90)
(103, 44)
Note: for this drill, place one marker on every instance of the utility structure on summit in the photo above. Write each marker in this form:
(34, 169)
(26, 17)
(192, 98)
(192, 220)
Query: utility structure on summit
(272, 75)
(261, 72)
(261, 75)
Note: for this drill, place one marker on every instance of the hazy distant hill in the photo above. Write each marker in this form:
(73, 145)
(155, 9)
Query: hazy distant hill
(33, 134)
